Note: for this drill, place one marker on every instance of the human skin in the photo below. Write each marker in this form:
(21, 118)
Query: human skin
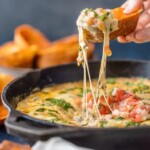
(142, 31)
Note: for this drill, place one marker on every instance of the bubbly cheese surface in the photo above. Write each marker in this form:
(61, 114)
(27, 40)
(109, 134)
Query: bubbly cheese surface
(90, 23)
(63, 103)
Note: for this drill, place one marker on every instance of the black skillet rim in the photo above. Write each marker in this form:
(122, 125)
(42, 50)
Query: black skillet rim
(13, 111)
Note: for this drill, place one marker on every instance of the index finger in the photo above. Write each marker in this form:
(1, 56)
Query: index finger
(133, 5)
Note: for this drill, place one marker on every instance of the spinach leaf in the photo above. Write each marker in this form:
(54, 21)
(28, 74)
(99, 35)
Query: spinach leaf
(102, 123)
(129, 83)
(119, 118)
(40, 109)
(60, 102)
(50, 110)
(111, 80)
(104, 16)
(52, 114)
(81, 92)
(132, 123)
(142, 88)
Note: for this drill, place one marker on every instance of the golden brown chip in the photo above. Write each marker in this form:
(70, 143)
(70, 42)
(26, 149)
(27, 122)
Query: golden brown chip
(11, 55)
(26, 35)
(126, 24)
(8, 145)
(4, 80)
(60, 52)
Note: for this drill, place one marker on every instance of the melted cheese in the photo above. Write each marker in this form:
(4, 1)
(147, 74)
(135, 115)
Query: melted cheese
(91, 21)
(63, 103)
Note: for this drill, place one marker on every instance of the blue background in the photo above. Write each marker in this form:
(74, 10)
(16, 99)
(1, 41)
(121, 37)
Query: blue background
(57, 18)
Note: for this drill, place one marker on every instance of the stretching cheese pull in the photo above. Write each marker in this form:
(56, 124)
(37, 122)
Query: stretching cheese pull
(91, 21)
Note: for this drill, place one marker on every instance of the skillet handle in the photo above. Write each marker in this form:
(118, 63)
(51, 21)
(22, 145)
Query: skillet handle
(19, 126)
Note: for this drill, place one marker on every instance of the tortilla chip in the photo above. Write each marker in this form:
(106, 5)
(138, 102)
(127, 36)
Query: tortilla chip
(4, 80)
(126, 25)
(11, 55)
(8, 145)
(61, 51)
(26, 35)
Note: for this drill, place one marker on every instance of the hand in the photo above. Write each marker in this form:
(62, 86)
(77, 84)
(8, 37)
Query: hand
(142, 31)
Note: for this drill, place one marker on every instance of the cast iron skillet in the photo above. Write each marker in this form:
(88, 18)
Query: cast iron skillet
(33, 129)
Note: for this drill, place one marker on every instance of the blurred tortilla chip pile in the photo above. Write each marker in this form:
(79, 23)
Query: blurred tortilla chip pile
(4, 80)
(31, 48)
(8, 145)
(126, 24)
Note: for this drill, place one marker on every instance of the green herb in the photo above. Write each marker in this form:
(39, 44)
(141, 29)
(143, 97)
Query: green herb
(74, 88)
(62, 92)
(111, 29)
(40, 109)
(52, 114)
(136, 90)
(35, 113)
(104, 16)
(111, 80)
(81, 92)
(110, 92)
(86, 10)
(44, 92)
(99, 106)
(59, 102)
(53, 111)
(54, 120)
(102, 123)
(142, 88)
(129, 83)
(132, 123)
(80, 49)
(119, 118)
(95, 14)
(90, 9)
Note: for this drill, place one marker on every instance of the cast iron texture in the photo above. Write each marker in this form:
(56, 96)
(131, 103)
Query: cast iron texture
(34, 129)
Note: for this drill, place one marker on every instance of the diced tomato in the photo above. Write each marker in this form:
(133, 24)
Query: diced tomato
(78, 101)
(90, 104)
(121, 95)
(89, 96)
(137, 117)
(131, 101)
(90, 21)
(102, 100)
(104, 109)
(110, 99)
(108, 51)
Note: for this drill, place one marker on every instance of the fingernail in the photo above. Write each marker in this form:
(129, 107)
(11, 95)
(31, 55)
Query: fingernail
(128, 38)
(139, 36)
(119, 40)
(127, 10)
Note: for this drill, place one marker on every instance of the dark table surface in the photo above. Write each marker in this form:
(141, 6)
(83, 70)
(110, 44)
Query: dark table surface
(5, 136)
(50, 20)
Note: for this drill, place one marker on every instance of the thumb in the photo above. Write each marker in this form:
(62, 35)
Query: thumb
(143, 35)
(133, 5)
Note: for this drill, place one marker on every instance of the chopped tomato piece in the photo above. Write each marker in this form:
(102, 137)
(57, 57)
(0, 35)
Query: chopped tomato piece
(131, 101)
(121, 95)
(108, 51)
(89, 96)
(137, 117)
(90, 104)
(90, 21)
(78, 101)
(104, 109)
